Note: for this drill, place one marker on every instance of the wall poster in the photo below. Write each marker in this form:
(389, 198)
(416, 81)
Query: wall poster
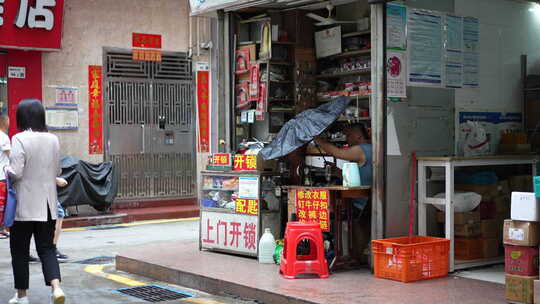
(471, 57)
(453, 60)
(396, 24)
(396, 74)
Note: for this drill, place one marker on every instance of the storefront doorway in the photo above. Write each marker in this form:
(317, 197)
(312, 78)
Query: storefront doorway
(149, 127)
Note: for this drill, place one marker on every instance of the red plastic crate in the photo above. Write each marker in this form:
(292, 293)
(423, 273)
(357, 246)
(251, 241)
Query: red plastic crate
(520, 260)
(409, 259)
(468, 248)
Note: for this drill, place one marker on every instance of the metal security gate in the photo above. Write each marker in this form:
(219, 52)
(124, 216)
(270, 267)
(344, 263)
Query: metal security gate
(149, 127)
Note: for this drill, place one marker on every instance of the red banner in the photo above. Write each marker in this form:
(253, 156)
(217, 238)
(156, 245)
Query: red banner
(312, 207)
(148, 41)
(203, 108)
(95, 110)
(247, 206)
(221, 159)
(245, 162)
(31, 24)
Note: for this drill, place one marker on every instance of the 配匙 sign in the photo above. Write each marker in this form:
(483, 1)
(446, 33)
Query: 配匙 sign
(35, 24)
(312, 206)
(229, 231)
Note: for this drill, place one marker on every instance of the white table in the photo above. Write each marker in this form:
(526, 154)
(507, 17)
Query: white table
(450, 163)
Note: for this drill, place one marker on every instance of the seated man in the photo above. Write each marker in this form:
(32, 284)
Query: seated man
(359, 151)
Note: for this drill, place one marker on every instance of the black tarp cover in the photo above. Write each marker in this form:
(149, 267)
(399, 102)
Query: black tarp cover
(88, 184)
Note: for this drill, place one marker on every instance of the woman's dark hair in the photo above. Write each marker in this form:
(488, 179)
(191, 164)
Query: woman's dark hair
(360, 128)
(31, 115)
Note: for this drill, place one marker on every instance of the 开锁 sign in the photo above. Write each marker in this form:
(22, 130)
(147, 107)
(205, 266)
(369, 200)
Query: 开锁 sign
(31, 24)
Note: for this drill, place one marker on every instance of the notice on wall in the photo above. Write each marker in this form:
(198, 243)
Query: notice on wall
(248, 187)
(396, 74)
(396, 24)
(453, 52)
(471, 48)
(95, 110)
(328, 42)
(425, 46)
(61, 118)
(16, 72)
(229, 231)
(66, 96)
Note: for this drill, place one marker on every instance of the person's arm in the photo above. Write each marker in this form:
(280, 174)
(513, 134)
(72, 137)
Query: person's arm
(61, 182)
(353, 154)
(17, 159)
(6, 145)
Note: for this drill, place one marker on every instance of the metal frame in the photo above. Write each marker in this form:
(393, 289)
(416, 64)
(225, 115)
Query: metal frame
(423, 200)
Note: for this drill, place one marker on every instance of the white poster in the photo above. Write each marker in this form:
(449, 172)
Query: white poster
(66, 96)
(471, 58)
(454, 52)
(396, 74)
(396, 23)
(248, 187)
(229, 231)
(328, 42)
(62, 119)
(425, 46)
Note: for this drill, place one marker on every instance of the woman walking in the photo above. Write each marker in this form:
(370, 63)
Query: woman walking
(34, 166)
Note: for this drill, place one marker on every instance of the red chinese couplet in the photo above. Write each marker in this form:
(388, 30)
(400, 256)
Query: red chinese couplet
(247, 206)
(245, 162)
(95, 110)
(312, 207)
(149, 41)
(203, 108)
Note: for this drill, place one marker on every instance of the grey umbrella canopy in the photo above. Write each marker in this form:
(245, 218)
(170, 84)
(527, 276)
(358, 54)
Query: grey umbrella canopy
(304, 127)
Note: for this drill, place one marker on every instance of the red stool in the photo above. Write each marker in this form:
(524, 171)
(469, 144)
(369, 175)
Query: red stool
(314, 263)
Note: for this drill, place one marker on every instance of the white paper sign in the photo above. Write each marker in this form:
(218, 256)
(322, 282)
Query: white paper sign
(17, 72)
(396, 24)
(328, 42)
(516, 234)
(396, 74)
(62, 119)
(229, 231)
(66, 96)
(248, 187)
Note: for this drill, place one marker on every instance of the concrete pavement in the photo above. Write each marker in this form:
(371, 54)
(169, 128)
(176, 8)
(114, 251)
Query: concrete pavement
(91, 287)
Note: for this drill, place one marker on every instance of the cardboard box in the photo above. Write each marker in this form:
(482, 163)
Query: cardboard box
(489, 229)
(488, 192)
(468, 248)
(536, 292)
(461, 218)
(525, 207)
(521, 233)
(490, 248)
(504, 187)
(521, 183)
(520, 289)
(467, 230)
(502, 204)
(521, 260)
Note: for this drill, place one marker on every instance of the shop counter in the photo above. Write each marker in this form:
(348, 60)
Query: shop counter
(316, 203)
(449, 164)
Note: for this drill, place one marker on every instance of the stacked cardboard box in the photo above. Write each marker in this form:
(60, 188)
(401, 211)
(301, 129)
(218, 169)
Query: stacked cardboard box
(521, 239)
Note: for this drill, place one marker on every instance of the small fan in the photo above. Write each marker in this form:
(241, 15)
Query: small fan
(329, 20)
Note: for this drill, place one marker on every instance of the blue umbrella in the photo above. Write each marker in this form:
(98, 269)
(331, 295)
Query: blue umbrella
(304, 127)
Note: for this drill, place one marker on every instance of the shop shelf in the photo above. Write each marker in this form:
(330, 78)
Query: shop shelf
(281, 99)
(349, 54)
(255, 20)
(276, 62)
(327, 99)
(242, 43)
(281, 81)
(354, 34)
(409, 259)
(344, 74)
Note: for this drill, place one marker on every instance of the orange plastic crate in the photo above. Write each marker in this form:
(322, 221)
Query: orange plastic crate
(409, 259)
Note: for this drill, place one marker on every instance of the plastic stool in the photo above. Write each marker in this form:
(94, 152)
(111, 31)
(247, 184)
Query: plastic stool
(314, 263)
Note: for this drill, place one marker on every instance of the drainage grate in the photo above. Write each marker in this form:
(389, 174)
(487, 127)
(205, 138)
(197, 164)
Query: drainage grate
(97, 261)
(154, 293)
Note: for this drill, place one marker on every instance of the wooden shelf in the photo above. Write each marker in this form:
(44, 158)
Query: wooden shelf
(280, 81)
(255, 20)
(363, 97)
(349, 54)
(354, 34)
(344, 74)
(243, 43)
(259, 42)
(275, 62)
(280, 99)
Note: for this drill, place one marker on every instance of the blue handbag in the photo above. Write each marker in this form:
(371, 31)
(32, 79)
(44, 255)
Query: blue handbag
(11, 203)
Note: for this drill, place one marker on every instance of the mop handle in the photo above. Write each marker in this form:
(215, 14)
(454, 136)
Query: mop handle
(411, 202)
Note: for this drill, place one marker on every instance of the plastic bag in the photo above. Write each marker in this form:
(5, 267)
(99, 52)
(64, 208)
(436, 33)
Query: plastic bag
(278, 251)
(463, 201)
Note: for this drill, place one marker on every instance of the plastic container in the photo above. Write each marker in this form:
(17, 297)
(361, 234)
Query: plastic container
(267, 247)
(409, 259)
(522, 261)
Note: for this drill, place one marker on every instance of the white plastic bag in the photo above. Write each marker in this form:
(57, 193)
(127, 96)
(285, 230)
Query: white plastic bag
(463, 201)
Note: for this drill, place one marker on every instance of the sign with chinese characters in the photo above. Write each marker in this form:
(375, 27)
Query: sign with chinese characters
(66, 96)
(147, 41)
(221, 159)
(312, 207)
(245, 162)
(203, 110)
(229, 231)
(95, 110)
(62, 118)
(247, 206)
(17, 72)
(146, 55)
(35, 24)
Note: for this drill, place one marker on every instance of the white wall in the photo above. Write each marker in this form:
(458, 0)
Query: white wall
(507, 30)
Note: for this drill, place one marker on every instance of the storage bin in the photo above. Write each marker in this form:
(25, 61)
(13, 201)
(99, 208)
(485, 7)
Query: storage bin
(409, 259)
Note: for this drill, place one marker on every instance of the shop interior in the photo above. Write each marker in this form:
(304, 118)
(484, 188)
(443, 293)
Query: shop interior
(294, 74)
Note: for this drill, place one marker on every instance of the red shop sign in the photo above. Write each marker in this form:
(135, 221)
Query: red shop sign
(245, 162)
(31, 24)
(312, 207)
(148, 41)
